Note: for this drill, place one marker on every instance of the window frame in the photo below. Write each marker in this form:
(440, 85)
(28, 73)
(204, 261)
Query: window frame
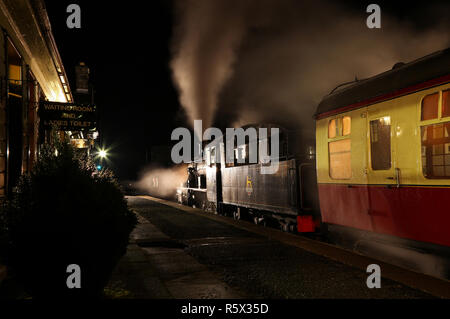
(443, 154)
(370, 120)
(339, 137)
(442, 101)
(212, 154)
(424, 123)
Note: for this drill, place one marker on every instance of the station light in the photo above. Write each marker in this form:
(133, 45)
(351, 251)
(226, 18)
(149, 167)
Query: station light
(63, 80)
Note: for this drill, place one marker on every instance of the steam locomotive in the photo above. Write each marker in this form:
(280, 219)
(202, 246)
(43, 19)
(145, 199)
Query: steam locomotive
(237, 188)
(377, 180)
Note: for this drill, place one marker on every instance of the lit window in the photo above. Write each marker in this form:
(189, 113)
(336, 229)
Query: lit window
(15, 73)
(340, 159)
(332, 129)
(380, 143)
(446, 103)
(339, 127)
(430, 107)
(436, 150)
(346, 125)
(241, 154)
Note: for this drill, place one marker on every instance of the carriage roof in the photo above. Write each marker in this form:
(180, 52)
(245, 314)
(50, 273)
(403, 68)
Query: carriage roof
(388, 84)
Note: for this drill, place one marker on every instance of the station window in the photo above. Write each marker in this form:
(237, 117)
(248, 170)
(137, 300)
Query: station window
(15, 74)
(14, 71)
(340, 159)
(380, 143)
(430, 106)
(436, 150)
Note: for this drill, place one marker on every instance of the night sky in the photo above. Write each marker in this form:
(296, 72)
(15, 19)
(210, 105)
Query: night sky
(127, 47)
(127, 51)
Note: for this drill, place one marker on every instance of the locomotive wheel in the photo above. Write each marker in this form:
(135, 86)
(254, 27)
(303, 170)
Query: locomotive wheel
(287, 227)
(292, 228)
(259, 221)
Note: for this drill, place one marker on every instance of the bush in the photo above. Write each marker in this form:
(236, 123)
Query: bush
(3, 234)
(65, 212)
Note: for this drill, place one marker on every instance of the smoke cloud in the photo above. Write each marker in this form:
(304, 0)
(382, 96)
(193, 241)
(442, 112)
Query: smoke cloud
(162, 182)
(206, 38)
(241, 62)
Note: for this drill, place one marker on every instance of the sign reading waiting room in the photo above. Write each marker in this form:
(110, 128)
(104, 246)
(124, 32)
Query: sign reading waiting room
(68, 116)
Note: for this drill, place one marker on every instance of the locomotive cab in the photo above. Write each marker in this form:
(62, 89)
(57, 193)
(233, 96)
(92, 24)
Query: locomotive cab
(240, 188)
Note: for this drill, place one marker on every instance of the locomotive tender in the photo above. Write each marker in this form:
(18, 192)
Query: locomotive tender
(381, 170)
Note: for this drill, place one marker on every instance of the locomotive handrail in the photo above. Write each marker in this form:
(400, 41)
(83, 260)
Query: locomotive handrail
(397, 176)
(301, 166)
(346, 83)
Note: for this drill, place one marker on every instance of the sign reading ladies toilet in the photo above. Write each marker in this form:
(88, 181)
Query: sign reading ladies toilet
(68, 116)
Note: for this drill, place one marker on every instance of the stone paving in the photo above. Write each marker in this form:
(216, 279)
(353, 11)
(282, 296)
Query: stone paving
(176, 254)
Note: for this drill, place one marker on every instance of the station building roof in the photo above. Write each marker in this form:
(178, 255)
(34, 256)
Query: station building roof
(27, 25)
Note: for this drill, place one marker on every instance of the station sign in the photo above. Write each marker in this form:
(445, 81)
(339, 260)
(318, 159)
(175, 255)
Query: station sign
(68, 116)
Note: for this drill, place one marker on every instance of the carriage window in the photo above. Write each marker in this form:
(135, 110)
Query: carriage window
(332, 128)
(213, 155)
(436, 150)
(380, 143)
(241, 155)
(244, 153)
(339, 127)
(346, 125)
(207, 156)
(430, 105)
(340, 159)
(446, 103)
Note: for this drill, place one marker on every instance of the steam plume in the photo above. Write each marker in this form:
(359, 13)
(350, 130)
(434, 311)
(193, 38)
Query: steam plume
(204, 45)
(252, 61)
(162, 182)
(302, 50)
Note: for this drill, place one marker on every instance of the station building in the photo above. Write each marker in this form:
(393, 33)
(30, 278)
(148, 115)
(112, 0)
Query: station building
(31, 71)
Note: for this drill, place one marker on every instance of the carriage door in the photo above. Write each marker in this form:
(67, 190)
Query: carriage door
(382, 175)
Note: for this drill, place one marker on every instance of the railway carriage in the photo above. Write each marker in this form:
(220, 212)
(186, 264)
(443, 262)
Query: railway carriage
(383, 164)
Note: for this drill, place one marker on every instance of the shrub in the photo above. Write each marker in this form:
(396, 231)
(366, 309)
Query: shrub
(66, 212)
(3, 234)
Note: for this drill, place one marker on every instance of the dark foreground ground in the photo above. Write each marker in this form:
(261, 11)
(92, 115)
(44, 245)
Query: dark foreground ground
(177, 254)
